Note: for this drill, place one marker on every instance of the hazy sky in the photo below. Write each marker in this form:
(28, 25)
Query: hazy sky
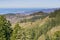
(29, 3)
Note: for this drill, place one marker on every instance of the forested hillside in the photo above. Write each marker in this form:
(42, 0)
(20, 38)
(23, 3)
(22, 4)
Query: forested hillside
(33, 27)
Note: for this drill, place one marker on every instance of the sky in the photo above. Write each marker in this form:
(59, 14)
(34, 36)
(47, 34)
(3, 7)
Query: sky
(29, 3)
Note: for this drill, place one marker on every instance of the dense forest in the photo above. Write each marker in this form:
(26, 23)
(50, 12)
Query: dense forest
(46, 28)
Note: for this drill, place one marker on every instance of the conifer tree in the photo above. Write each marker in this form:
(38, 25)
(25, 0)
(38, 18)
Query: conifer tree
(5, 29)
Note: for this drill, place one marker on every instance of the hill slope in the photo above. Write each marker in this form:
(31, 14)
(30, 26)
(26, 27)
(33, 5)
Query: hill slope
(18, 17)
(38, 26)
(45, 29)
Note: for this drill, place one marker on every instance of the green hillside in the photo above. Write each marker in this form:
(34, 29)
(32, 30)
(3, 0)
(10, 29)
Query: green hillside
(37, 27)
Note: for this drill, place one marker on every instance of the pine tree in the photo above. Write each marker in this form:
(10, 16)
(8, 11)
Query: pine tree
(5, 30)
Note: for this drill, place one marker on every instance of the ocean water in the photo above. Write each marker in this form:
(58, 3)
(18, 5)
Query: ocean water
(23, 10)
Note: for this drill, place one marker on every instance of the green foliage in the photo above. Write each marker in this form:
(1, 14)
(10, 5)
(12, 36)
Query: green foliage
(18, 33)
(5, 30)
(47, 37)
(56, 16)
(56, 35)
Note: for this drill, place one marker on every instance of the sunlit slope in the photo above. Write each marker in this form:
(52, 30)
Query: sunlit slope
(43, 27)
(52, 26)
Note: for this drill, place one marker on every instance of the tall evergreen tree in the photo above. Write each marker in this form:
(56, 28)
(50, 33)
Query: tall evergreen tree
(5, 30)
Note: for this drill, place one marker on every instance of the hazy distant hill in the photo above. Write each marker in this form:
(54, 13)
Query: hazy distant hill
(38, 13)
(17, 17)
(13, 18)
(25, 14)
(25, 10)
